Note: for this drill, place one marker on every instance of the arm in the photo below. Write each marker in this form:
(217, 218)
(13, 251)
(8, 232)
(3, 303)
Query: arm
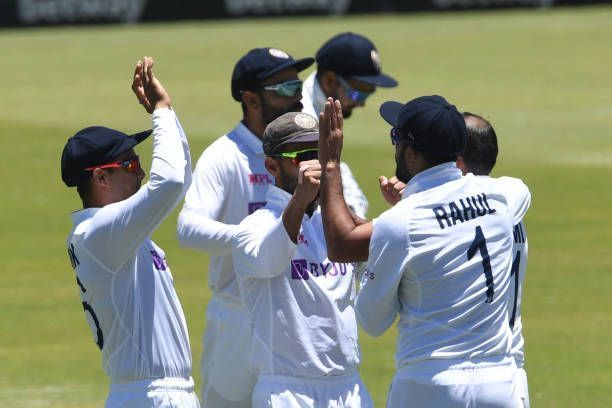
(377, 303)
(261, 247)
(118, 229)
(197, 225)
(347, 240)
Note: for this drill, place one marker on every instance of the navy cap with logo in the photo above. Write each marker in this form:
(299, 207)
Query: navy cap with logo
(352, 55)
(261, 63)
(429, 123)
(94, 146)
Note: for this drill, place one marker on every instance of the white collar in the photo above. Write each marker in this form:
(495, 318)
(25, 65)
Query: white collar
(243, 135)
(432, 177)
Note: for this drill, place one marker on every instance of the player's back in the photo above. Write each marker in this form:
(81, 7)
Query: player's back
(456, 274)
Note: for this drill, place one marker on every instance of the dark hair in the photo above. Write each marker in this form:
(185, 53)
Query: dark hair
(480, 152)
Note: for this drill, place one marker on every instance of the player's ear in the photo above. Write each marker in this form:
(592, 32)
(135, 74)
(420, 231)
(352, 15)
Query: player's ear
(460, 163)
(100, 178)
(328, 82)
(273, 166)
(251, 100)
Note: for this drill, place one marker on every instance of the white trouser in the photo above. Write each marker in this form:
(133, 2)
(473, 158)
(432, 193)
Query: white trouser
(484, 384)
(227, 381)
(158, 393)
(521, 386)
(278, 391)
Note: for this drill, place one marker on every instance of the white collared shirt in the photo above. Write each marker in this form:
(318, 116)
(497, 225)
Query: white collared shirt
(123, 278)
(230, 182)
(441, 259)
(313, 100)
(300, 303)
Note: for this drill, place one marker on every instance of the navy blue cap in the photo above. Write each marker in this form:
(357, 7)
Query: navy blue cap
(94, 146)
(352, 55)
(429, 123)
(261, 63)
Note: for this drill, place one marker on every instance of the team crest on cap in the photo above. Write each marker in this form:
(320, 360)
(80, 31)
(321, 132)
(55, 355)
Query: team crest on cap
(305, 121)
(375, 59)
(278, 53)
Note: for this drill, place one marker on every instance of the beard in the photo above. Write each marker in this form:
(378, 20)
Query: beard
(269, 113)
(402, 172)
(288, 182)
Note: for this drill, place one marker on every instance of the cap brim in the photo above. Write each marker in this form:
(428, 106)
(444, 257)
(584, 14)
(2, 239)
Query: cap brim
(382, 80)
(306, 137)
(140, 136)
(130, 142)
(390, 111)
(300, 65)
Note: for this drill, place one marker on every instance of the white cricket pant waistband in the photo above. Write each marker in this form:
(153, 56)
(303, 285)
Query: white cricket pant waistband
(290, 380)
(166, 383)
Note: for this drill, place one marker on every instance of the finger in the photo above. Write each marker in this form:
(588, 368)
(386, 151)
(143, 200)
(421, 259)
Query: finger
(334, 116)
(382, 180)
(340, 118)
(138, 69)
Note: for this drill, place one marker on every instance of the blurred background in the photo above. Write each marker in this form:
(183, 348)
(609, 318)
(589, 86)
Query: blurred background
(539, 70)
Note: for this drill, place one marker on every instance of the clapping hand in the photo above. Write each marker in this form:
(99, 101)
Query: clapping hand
(147, 88)
(330, 132)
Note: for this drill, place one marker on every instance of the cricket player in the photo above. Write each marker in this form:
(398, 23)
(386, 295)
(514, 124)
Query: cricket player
(230, 181)
(304, 347)
(440, 259)
(123, 278)
(348, 69)
(479, 159)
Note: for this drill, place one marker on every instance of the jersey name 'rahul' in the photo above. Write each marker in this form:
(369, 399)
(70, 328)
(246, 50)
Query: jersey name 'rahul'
(469, 208)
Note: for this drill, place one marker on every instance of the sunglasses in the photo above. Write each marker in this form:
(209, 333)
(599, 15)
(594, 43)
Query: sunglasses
(397, 137)
(132, 165)
(289, 88)
(353, 94)
(301, 155)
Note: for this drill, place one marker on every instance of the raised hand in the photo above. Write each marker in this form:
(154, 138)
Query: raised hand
(331, 134)
(309, 179)
(147, 88)
(391, 189)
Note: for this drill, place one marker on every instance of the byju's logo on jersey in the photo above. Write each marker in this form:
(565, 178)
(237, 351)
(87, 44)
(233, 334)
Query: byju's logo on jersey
(301, 269)
(260, 179)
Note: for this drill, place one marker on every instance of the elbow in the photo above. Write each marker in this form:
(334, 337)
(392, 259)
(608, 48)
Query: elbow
(372, 323)
(372, 327)
(183, 229)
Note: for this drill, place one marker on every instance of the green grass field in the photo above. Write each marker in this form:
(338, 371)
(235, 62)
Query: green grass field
(541, 77)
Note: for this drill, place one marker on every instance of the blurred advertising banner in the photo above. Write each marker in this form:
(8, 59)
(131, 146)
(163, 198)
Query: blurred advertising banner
(49, 12)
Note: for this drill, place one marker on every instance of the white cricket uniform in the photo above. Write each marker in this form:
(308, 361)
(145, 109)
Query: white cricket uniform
(441, 259)
(126, 286)
(230, 182)
(304, 344)
(514, 188)
(313, 100)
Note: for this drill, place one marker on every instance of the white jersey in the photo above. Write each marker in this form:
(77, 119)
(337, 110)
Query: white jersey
(514, 191)
(123, 278)
(230, 182)
(313, 100)
(441, 259)
(300, 303)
